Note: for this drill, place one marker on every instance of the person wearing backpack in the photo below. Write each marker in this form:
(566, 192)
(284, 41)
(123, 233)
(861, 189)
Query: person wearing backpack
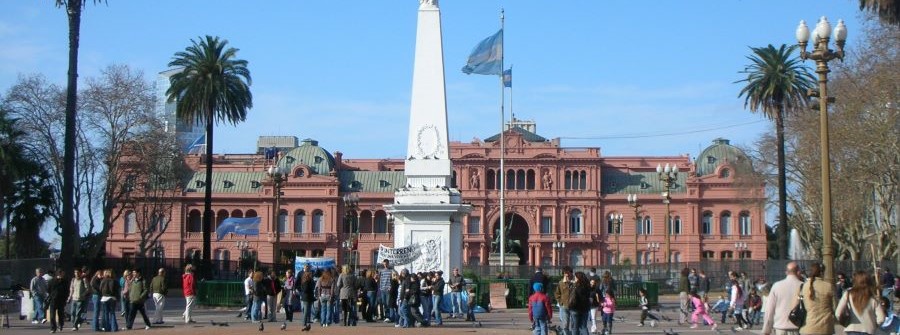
(864, 306)
(539, 310)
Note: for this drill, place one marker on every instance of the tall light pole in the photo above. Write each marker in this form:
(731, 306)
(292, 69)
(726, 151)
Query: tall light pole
(653, 247)
(616, 220)
(277, 177)
(668, 175)
(557, 247)
(821, 54)
(351, 200)
(633, 203)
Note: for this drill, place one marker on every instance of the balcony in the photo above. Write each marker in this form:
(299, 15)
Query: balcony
(474, 238)
(576, 237)
(310, 237)
(378, 237)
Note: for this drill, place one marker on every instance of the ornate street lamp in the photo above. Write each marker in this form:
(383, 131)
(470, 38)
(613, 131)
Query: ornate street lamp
(633, 203)
(653, 247)
(277, 177)
(616, 220)
(351, 201)
(558, 246)
(821, 54)
(668, 175)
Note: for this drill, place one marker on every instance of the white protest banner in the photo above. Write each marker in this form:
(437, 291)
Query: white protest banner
(399, 256)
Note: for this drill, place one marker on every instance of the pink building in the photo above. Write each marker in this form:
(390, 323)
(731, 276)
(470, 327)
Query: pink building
(559, 202)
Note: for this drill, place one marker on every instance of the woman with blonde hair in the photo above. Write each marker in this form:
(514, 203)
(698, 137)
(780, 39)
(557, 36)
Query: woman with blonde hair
(864, 306)
(109, 290)
(818, 298)
(347, 286)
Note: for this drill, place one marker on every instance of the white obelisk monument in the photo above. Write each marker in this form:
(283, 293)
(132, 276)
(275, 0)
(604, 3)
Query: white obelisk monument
(427, 212)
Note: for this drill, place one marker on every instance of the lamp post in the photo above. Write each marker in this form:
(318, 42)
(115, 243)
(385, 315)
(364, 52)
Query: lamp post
(616, 220)
(653, 247)
(243, 245)
(821, 54)
(351, 201)
(740, 247)
(633, 203)
(557, 247)
(668, 175)
(277, 176)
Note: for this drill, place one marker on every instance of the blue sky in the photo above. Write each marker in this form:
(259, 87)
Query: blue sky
(340, 71)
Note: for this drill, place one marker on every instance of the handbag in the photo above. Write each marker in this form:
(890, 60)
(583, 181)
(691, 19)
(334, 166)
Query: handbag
(844, 318)
(798, 313)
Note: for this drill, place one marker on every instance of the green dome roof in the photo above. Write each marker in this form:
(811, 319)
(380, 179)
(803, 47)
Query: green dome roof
(720, 152)
(309, 153)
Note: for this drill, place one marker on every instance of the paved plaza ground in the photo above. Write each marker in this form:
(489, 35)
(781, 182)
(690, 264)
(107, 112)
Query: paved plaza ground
(513, 321)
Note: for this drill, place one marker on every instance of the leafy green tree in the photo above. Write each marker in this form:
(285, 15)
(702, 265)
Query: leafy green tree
(776, 85)
(213, 85)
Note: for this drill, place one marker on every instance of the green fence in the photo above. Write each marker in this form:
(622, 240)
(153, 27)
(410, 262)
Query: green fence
(220, 293)
(517, 296)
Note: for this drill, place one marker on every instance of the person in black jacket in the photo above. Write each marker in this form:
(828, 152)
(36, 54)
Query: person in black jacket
(95, 299)
(413, 298)
(581, 308)
(307, 292)
(58, 289)
(273, 287)
(260, 292)
(538, 277)
(437, 289)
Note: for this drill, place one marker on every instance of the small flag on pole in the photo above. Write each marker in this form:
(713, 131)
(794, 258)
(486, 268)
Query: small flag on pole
(240, 226)
(507, 78)
(197, 146)
(487, 56)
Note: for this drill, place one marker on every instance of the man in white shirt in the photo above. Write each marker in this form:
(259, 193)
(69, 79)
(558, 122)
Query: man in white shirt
(782, 298)
(248, 293)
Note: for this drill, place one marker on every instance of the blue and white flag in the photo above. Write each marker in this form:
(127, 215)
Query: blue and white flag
(507, 78)
(314, 262)
(240, 226)
(197, 146)
(487, 56)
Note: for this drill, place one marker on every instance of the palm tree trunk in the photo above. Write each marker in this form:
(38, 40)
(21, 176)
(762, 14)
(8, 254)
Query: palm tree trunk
(782, 186)
(207, 197)
(69, 227)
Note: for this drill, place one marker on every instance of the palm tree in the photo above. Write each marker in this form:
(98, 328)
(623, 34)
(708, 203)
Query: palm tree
(10, 157)
(212, 86)
(887, 10)
(776, 85)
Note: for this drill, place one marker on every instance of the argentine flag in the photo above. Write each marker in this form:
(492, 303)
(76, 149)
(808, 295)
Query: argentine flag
(487, 56)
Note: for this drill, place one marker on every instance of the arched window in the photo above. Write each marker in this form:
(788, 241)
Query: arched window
(160, 223)
(251, 213)
(299, 221)
(609, 225)
(576, 259)
(318, 218)
(221, 215)
(530, 180)
(675, 225)
(510, 179)
(726, 255)
(582, 182)
(194, 222)
(520, 180)
(366, 222)
(490, 180)
(497, 177)
(350, 221)
(708, 255)
(744, 224)
(130, 222)
(318, 252)
(237, 213)
(568, 180)
(675, 257)
(647, 226)
(725, 223)
(725, 173)
(706, 223)
(575, 221)
(282, 221)
(380, 222)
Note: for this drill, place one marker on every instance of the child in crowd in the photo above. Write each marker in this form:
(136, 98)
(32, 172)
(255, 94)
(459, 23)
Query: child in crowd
(470, 312)
(721, 306)
(754, 305)
(700, 311)
(608, 308)
(645, 309)
(539, 310)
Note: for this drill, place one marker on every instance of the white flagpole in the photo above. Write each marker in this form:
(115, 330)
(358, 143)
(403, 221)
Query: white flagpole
(502, 153)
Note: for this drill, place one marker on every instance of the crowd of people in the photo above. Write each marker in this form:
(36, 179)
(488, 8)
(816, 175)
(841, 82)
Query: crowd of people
(864, 303)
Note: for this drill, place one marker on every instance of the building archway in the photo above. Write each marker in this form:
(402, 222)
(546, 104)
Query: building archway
(517, 231)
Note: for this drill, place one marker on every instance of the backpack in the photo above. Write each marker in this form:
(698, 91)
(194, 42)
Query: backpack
(538, 310)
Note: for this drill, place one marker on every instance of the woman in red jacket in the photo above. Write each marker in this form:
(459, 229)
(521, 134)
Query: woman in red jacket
(187, 286)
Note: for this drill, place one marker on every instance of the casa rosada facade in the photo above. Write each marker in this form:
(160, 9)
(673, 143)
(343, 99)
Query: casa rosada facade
(558, 205)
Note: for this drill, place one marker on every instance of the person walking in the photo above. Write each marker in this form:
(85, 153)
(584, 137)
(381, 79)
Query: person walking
(259, 297)
(79, 291)
(684, 287)
(403, 317)
(384, 290)
(694, 281)
(137, 296)
(109, 290)
(414, 298)
(289, 295)
(818, 298)
(645, 309)
(370, 287)
(188, 287)
(125, 284)
(608, 309)
(425, 295)
(539, 311)
(865, 309)
(249, 285)
(736, 305)
(57, 296)
(457, 283)
(581, 306)
(306, 292)
(596, 297)
(159, 289)
(38, 288)
(700, 312)
(325, 292)
(782, 299)
(273, 288)
(704, 284)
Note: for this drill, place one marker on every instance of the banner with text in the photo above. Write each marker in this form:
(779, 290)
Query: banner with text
(399, 256)
(314, 262)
